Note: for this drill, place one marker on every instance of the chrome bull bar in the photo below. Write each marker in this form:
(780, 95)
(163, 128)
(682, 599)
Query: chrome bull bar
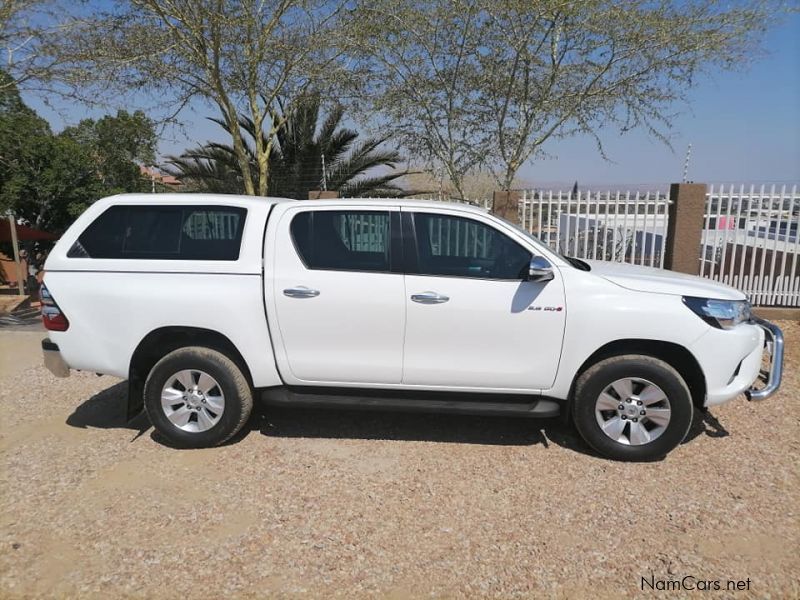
(773, 344)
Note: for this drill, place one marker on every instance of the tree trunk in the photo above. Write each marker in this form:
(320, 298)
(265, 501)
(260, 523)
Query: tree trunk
(263, 169)
(231, 118)
(509, 177)
(456, 181)
(244, 162)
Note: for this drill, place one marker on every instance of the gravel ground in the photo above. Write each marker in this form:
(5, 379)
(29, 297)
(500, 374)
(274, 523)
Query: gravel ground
(317, 503)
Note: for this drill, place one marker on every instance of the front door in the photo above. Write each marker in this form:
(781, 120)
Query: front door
(472, 321)
(340, 307)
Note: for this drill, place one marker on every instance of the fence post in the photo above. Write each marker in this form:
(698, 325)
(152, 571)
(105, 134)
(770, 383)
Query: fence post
(685, 227)
(505, 204)
(322, 194)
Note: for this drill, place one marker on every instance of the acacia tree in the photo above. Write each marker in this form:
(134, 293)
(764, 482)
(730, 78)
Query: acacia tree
(490, 82)
(32, 54)
(420, 58)
(238, 55)
(21, 40)
(556, 68)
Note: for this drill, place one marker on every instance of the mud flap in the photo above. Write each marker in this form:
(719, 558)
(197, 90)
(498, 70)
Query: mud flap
(135, 397)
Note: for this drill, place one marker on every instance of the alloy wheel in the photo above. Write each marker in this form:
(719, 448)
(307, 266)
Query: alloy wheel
(633, 411)
(192, 400)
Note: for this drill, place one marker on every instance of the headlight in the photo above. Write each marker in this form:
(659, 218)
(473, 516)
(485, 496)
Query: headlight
(722, 314)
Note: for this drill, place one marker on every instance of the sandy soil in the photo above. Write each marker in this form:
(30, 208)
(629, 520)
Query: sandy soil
(316, 503)
(19, 350)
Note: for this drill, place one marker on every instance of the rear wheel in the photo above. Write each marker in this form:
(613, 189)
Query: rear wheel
(632, 407)
(197, 397)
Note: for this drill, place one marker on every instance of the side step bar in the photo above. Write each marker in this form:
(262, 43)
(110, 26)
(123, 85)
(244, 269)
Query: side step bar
(392, 400)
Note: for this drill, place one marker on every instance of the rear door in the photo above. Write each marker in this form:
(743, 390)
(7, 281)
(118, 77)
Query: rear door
(339, 295)
(472, 320)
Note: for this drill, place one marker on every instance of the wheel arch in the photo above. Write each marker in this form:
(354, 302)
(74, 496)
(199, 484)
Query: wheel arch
(160, 342)
(675, 355)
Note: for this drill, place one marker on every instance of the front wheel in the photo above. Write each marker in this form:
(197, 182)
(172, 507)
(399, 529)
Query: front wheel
(197, 397)
(632, 407)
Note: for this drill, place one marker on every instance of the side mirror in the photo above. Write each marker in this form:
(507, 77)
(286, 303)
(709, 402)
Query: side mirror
(540, 269)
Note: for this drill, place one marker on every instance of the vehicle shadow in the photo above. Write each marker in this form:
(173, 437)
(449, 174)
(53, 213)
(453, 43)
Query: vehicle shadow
(418, 427)
(107, 410)
(704, 423)
(457, 429)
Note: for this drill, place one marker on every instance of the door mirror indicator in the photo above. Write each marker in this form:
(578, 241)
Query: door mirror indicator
(539, 269)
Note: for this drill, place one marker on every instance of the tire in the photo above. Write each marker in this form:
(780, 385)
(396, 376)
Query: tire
(220, 406)
(610, 429)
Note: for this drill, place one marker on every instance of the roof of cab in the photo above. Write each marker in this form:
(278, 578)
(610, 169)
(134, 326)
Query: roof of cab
(261, 202)
(199, 198)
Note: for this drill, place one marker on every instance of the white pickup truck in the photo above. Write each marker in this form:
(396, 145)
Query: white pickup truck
(204, 302)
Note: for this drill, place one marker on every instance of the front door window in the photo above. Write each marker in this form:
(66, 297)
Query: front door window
(453, 246)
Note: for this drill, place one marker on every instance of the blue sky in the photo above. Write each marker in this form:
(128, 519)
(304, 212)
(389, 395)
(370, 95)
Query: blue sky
(744, 127)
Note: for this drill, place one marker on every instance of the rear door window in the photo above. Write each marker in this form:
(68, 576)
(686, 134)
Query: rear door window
(163, 233)
(343, 240)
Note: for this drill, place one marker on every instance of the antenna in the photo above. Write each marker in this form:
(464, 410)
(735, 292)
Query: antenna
(324, 175)
(686, 163)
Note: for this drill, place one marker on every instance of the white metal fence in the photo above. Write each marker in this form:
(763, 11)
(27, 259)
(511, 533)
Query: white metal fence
(750, 241)
(618, 226)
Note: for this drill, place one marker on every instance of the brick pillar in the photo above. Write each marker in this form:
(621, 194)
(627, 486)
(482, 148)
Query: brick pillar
(322, 194)
(685, 228)
(506, 205)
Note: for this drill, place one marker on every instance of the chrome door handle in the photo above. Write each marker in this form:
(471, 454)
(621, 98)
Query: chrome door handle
(301, 291)
(429, 298)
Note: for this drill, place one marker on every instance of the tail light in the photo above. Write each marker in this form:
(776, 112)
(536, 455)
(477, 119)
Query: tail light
(53, 318)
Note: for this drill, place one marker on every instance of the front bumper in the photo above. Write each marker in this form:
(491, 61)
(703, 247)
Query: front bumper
(53, 359)
(773, 351)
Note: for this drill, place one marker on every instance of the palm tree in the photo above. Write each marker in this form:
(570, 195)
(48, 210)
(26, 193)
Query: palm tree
(296, 159)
